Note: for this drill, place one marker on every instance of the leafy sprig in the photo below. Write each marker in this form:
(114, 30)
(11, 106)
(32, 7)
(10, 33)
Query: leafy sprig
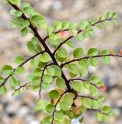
(66, 99)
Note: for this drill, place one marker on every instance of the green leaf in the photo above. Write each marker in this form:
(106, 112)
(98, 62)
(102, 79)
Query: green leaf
(17, 22)
(37, 72)
(60, 59)
(93, 61)
(73, 32)
(54, 43)
(17, 92)
(50, 71)
(68, 99)
(41, 105)
(26, 23)
(59, 115)
(24, 32)
(99, 116)
(65, 25)
(39, 20)
(101, 98)
(34, 62)
(76, 85)
(101, 18)
(72, 25)
(53, 36)
(36, 80)
(92, 52)
(60, 82)
(108, 14)
(106, 23)
(29, 77)
(57, 69)
(100, 83)
(57, 25)
(93, 90)
(83, 63)
(36, 88)
(15, 2)
(80, 37)
(20, 70)
(83, 72)
(73, 68)
(111, 113)
(86, 84)
(64, 106)
(16, 13)
(42, 64)
(72, 75)
(31, 48)
(1, 79)
(99, 26)
(78, 52)
(105, 118)
(105, 52)
(49, 30)
(37, 48)
(3, 90)
(114, 15)
(62, 52)
(34, 40)
(47, 78)
(45, 57)
(50, 108)
(89, 30)
(95, 79)
(28, 10)
(70, 44)
(87, 102)
(106, 59)
(53, 94)
(45, 85)
(106, 109)
(18, 59)
(83, 24)
(7, 70)
(12, 81)
(48, 120)
(96, 104)
(91, 21)
(4, 2)
(115, 21)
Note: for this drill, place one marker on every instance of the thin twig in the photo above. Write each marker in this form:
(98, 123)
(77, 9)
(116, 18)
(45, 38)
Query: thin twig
(20, 66)
(42, 78)
(56, 106)
(86, 57)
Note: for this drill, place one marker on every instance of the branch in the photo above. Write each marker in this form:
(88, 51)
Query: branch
(76, 29)
(42, 78)
(83, 81)
(87, 97)
(21, 87)
(98, 111)
(20, 66)
(73, 60)
(43, 43)
(56, 106)
(79, 31)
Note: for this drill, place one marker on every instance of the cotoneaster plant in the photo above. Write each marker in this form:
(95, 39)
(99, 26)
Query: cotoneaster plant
(67, 103)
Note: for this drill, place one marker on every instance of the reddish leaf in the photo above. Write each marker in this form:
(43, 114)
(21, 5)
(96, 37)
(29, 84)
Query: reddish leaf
(121, 52)
(103, 87)
(63, 34)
